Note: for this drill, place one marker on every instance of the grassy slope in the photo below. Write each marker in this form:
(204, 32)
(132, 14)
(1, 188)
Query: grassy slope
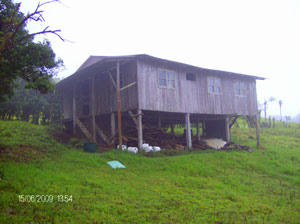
(196, 187)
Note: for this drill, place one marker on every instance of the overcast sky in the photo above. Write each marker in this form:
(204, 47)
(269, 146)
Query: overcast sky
(252, 37)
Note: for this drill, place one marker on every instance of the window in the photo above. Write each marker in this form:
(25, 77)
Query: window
(239, 89)
(190, 77)
(166, 79)
(214, 85)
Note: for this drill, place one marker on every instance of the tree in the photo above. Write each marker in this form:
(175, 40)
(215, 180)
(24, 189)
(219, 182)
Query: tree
(260, 109)
(280, 105)
(20, 56)
(29, 105)
(265, 105)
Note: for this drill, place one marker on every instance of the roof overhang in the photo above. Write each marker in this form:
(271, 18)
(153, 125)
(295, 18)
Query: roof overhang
(195, 68)
(101, 66)
(106, 63)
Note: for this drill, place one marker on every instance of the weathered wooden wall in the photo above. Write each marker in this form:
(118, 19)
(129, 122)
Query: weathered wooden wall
(192, 96)
(105, 93)
(188, 96)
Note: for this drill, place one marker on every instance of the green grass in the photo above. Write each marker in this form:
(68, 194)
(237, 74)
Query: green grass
(191, 187)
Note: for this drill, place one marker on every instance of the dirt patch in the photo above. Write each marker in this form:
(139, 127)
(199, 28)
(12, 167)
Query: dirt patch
(262, 147)
(157, 137)
(233, 146)
(62, 137)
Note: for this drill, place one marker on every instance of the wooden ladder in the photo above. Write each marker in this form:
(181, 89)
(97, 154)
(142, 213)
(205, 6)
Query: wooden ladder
(84, 130)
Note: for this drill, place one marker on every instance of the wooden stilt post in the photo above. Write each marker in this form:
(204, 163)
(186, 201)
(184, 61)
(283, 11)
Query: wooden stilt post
(119, 105)
(140, 129)
(74, 110)
(203, 128)
(133, 117)
(198, 130)
(257, 131)
(172, 129)
(188, 131)
(93, 109)
(159, 121)
(113, 127)
(227, 129)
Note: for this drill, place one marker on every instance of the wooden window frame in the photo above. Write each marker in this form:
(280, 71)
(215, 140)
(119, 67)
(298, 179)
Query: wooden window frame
(239, 88)
(214, 92)
(167, 79)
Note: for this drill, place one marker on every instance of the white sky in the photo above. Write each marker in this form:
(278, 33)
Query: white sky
(255, 37)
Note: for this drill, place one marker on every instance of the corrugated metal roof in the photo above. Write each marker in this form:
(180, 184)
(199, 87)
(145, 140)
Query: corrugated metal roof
(102, 63)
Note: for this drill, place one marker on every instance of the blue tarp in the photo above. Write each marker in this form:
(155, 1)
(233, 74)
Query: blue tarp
(116, 164)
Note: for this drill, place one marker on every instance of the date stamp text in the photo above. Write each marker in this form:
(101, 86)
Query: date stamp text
(36, 198)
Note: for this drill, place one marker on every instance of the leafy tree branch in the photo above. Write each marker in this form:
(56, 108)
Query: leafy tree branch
(20, 56)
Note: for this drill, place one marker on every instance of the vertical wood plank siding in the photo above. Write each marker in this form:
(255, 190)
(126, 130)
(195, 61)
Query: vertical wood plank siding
(187, 97)
(105, 92)
(192, 96)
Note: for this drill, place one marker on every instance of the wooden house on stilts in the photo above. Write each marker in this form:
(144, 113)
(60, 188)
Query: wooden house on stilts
(106, 92)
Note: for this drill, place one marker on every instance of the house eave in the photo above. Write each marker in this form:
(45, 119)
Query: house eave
(109, 62)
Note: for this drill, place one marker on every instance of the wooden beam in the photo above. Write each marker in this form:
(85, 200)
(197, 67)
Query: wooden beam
(198, 130)
(188, 131)
(113, 127)
(203, 128)
(119, 105)
(133, 118)
(127, 86)
(172, 128)
(234, 120)
(115, 67)
(74, 109)
(227, 129)
(84, 130)
(102, 135)
(159, 121)
(93, 108)
(112, 79)
(257, 132)
(136, 115)
(140, 129)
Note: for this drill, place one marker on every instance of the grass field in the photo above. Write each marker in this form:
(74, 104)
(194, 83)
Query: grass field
(190, 187)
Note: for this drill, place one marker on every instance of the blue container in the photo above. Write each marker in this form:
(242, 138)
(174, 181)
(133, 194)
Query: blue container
(90, 147)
